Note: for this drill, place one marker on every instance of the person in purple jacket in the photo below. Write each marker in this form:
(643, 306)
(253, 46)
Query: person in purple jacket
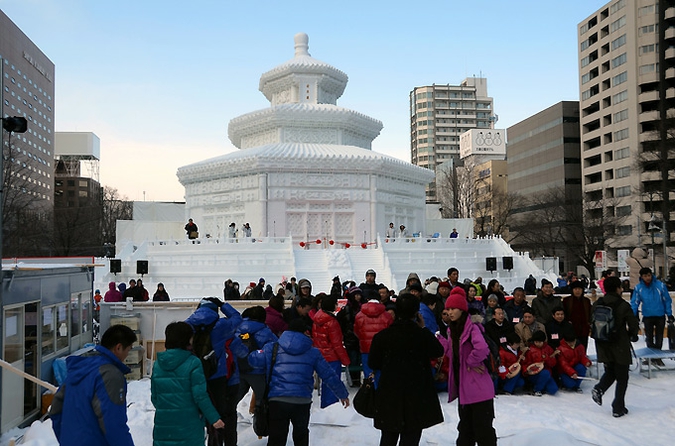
(468, 378)
(292, 383)
(275, 317)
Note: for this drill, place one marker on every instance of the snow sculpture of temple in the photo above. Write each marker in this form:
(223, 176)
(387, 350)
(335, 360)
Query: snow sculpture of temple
(305, 167)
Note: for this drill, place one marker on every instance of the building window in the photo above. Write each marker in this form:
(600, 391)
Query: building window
(623, 211)
(620, 78)
(648, 68)
(620, 116)
(616, 6)
(645, 10)
(620, 97)
(625, 230)
(623, 191)
(619, 42)
(621, 135)
(622, 172)
(619, 60)
(619, 23)
(646, 49)
(649, 29)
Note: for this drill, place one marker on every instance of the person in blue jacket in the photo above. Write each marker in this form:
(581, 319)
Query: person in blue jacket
(292, 383)
(223, 385)
(427, 311)
(656, 305)
(250, 377)
(90, 407)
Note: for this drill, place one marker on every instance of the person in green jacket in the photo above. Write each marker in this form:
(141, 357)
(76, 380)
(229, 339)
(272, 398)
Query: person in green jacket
(178, 392)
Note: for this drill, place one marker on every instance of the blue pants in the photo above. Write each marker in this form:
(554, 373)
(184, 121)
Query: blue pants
(543, 381)
(570, 383)
(367, 370)
(511, 384)
(327, 395)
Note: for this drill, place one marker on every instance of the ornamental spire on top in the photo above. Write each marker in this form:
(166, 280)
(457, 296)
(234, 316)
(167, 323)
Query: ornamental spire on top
(303, 79)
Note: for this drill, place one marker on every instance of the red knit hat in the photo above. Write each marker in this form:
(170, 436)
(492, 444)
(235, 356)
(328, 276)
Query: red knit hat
(457, 299)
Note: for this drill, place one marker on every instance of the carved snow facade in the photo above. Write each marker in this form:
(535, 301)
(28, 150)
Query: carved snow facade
(305, 167)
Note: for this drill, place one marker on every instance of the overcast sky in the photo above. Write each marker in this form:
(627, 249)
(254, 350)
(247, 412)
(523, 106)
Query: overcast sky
(158, 81)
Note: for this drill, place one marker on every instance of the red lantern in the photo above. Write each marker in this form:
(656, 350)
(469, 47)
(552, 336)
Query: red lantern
(347, 245)
(331, 242)
(364, 245)
(318, 241)
(302, 244)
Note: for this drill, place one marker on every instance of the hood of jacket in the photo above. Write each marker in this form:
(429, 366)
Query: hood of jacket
(305, 281)
(373, 309)
(295, 343)
(204, 315)
(81, 367)
(250, 326)
(321, 317)
(412, 276)
(171, 359)
(111, 286)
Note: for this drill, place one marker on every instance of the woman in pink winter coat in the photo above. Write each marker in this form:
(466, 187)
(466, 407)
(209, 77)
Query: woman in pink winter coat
(468, 379)
(112, 295)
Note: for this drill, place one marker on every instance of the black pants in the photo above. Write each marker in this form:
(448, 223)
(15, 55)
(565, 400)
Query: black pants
(255, 382)
(475, 424)
(225, 401)
(389, 438)
(654, 323)
(619, 373)
(283, 413)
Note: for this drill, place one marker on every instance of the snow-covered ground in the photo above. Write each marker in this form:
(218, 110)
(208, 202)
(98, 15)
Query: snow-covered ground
(560, 420)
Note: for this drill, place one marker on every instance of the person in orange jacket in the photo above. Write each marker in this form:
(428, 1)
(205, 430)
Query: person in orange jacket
(572, 362)
(538, 365)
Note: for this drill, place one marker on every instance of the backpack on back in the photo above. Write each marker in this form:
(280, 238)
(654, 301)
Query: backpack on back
(603, 327)
(203, 349)
(248, 339)
(493, 360)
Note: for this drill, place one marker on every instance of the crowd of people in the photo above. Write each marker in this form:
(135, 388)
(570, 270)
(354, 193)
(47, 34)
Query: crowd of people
(435, 336)
(136, 291)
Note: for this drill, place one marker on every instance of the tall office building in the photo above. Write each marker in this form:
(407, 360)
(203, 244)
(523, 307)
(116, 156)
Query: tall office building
(27, 90)
(619, 92)
(439, 114)
(544, 168)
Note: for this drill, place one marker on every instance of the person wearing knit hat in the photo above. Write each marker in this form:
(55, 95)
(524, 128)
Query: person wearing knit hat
(457, 299)
(466, 349)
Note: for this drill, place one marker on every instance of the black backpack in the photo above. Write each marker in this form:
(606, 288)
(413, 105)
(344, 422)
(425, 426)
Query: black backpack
(203, 349)
(248, 339)
(493, 360)
(603, 327)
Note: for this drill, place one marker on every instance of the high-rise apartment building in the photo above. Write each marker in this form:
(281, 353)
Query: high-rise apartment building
(439, 114)
(619, 113)
(26, 90)
(544, 169)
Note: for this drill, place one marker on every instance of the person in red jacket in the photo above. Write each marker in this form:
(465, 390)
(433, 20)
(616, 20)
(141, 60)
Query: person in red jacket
(572, 362)
(510, 377)
(327, 337)
(538, 365)
(372, 319)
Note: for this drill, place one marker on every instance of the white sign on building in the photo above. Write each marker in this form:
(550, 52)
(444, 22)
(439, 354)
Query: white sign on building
(483, 142)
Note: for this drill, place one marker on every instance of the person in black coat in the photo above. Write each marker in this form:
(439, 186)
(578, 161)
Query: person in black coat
(558, 328)
(499, 328)
(406, 399)
(615, 354)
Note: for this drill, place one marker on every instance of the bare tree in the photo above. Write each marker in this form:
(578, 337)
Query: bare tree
(554, 225)
(25, 212)
(456, 190)
(115, 207)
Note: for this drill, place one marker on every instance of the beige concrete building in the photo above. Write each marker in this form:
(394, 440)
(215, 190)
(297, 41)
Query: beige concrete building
(490, 180)
(619, 92)
(439, 114)
(544, 168)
